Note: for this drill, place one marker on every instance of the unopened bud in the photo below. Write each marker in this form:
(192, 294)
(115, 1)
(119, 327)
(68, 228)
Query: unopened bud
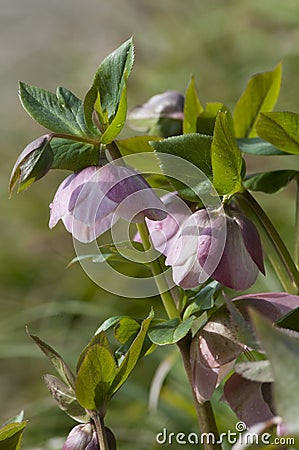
(82, 437)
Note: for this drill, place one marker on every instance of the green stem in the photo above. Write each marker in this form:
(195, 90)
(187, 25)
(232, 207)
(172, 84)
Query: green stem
(276, 250)
(72, 137)
(297, 226)
(204, 411)
(100, 430)
(157, 271)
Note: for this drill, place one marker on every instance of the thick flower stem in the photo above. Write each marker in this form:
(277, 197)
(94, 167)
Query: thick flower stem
(157, 270)
(100, 430)
(277, 252)
(204, 411)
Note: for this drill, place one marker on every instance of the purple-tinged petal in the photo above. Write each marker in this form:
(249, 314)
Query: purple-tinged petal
(273, 305)
(236, 268)
(164, 232)
(38, 143)
(197, 248)
(81, 437)
(246, 399)
(251, 240)
(60, 205)
(204, 378)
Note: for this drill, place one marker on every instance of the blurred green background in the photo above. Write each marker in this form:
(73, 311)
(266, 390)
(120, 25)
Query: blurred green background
(49, 43)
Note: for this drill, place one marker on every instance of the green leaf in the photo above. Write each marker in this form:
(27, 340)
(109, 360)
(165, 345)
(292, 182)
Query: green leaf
(66, 398)
(194, 148)
(61, 112)
(132, 356)
(280, 129)
(270, 182)
(170, 331)
(109, 323)
(94, 378)
(259, 147)
(260, 95)
(56, 360)
(125, 329)
(283, 353)
(226, 158)
(255, 371)
(108, 85)
(100, 339)
(11, 436)
(202, 300)
(136, 144)
(207, 119)
(73, 155)
(32, 164)
(290, 320)
(118, 122)
(192, 108)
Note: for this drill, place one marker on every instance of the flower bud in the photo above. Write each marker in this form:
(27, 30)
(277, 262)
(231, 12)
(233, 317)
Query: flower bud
(82, 437)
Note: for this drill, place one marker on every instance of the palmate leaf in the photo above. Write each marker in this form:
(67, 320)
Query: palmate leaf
(260, 95)
(61, 112)
(105, 93)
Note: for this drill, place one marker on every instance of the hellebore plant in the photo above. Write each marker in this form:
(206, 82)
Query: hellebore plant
(247, 346)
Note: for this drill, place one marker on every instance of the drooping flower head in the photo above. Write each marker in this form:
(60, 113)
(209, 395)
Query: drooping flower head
(224, 245)
(91, 200)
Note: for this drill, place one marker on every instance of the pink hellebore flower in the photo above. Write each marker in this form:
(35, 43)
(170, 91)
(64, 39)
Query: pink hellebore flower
(91, 200)
(208, 243)
(215, 347)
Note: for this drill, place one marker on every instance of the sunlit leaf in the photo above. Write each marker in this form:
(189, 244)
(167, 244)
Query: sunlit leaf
(132, 356)
(226, 158)
(136, 144)
(280, 129)
(192, 108)
(207, 118)
(260, 95)
(95, 377)
(108, 84)
(11, 436)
